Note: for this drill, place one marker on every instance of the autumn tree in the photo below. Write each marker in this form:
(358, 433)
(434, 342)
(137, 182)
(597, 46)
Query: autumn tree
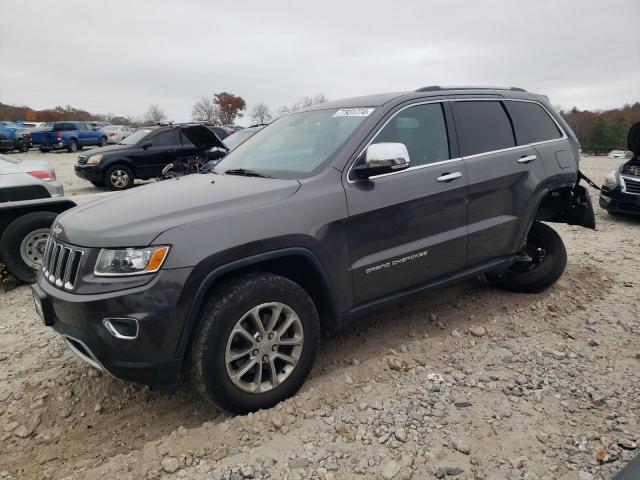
(230, 107)
(154, 114)
(260, 113)
(205, 110)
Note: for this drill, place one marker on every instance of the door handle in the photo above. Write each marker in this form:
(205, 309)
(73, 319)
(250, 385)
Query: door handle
(527, 159)
(447, 177)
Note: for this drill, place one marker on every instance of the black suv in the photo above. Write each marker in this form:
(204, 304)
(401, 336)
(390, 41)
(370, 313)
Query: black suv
(316, 219)
(146, 152)
(621, 189)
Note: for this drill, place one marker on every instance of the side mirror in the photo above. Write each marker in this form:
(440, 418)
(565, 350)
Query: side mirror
(146, 144)
(380, 158)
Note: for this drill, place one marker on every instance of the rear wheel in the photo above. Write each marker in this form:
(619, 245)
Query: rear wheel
(23, 242)
(118, 177)
(73, 146)
(544, 261)
(255, 342)
(103, 141)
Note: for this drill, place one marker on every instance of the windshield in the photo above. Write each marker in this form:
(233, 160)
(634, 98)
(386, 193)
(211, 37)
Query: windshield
(235, 139)
(135, 137)
(294, 146)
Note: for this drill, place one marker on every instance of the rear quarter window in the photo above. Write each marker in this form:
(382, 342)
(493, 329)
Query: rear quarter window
(483, 126)
(532, 123)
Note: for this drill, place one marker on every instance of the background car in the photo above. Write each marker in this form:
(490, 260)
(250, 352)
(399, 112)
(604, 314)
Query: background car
(240, 136)
(68, 134)
(28, 205)
(617, 154)
(620, 193)
(145, 153)
(116, 133)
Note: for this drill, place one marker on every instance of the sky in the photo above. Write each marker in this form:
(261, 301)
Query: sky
(121, 56)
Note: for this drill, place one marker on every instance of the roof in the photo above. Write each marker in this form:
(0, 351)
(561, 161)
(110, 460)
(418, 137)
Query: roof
(430, 91)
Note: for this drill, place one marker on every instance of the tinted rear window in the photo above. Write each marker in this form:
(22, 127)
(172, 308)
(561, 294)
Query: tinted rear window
(532, 123)
(63, 127)
(483, 126)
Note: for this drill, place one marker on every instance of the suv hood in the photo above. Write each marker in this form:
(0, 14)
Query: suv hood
(135, 217)
(203, 137)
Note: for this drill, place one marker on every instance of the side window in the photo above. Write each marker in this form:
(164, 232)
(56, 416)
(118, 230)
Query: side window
(164, 139)
(422, 129)
(483, 126)
(532, 123)
(186, 142)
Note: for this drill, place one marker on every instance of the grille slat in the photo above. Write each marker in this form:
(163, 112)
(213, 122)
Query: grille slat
(632, 185)
(60, 264)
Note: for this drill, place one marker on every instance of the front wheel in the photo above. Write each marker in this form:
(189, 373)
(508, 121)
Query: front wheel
(118, 177)
(23, 243)
(544, 261)
(255, 342)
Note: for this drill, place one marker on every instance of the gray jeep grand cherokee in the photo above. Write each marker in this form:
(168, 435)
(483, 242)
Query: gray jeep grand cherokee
(323, 215)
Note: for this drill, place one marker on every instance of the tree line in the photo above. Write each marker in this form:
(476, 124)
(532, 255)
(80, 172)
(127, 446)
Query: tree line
(600, 132)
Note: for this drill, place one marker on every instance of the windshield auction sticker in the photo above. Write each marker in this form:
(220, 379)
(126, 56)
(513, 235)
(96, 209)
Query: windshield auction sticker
(353, 112)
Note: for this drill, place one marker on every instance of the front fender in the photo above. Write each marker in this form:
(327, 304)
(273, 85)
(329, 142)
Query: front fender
(203, 278)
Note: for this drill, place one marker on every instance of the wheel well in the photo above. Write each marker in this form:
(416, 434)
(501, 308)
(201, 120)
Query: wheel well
(10, 215)
(554, 204)
(301, 270)
(122, 163)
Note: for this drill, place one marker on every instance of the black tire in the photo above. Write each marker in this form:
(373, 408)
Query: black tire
(226, 306)
(12, 238)
(73, 146)
(103, 141)
(118, 177)
(23, 146)
(98, 184)
(549, 259)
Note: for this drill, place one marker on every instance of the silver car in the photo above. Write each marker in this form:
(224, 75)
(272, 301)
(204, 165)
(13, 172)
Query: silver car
(21, 179)
(117, 133)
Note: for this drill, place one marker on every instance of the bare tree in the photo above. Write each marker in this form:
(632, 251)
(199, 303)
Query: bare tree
(260, 113)
(154, 114)
(303, 102)
(205, 110)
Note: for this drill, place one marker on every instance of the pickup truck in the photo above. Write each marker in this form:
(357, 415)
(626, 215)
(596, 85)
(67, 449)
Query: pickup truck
(70, 135)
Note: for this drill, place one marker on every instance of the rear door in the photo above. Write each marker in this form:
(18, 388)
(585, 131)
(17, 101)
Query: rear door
(503, 178)
(164, 149)
(408, 227)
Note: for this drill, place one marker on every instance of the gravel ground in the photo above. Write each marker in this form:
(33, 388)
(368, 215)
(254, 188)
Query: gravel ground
(465, 382)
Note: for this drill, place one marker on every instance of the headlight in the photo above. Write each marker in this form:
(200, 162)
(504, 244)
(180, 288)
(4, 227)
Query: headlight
(611, 180)
(130, 261)
(94, 159)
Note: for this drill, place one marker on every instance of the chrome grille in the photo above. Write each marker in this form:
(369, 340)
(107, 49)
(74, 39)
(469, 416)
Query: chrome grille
(60, 264)
(631, 185)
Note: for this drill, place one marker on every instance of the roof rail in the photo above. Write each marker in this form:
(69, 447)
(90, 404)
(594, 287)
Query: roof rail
(435, 88)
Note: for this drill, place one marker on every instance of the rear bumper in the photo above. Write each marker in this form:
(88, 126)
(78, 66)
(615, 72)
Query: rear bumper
(616, 201)
(93, 173)
(50, 145)
(151, 356)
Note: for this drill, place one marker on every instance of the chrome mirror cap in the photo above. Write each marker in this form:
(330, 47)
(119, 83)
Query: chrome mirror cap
(381, 158)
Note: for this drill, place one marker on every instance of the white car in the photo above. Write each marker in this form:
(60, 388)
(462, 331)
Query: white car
(617, 154)
(117, 133)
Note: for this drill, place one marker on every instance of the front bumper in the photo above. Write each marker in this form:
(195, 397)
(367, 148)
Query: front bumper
(159, 309)
(617, 201)
(93, 173)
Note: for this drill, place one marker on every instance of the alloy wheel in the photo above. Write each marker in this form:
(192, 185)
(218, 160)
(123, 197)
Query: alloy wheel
(119, 178)
(264, 347)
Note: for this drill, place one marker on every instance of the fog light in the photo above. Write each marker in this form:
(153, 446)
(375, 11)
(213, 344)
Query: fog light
(122, 328)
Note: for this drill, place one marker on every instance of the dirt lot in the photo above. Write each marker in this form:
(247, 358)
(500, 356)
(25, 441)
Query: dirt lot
(465, 382)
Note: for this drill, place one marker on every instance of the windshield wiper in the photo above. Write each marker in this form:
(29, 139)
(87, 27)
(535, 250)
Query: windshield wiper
(246, 173)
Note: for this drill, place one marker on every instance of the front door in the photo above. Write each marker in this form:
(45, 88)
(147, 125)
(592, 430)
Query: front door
(164, 150)
(409, 227)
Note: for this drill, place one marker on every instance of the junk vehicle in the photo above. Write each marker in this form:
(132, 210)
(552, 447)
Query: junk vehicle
(228, 278)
